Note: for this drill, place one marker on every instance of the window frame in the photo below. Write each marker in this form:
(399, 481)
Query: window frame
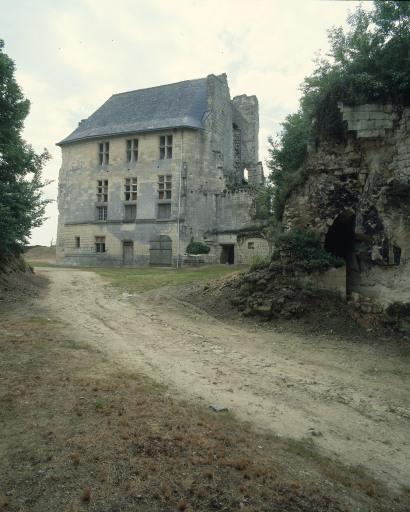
(102, 191)
(104, 153)
(128, 206)
(165, 146)
(131, 150)
(165, 187)
(102, 213)
(162, 206)
(131, 188)
(100, 245)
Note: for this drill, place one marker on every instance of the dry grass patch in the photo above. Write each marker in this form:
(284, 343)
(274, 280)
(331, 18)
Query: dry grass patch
(79, 434)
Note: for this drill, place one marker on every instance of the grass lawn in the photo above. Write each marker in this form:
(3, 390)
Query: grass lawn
(148, 278)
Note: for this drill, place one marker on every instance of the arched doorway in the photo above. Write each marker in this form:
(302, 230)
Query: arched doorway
(160, 251)
(340, 241)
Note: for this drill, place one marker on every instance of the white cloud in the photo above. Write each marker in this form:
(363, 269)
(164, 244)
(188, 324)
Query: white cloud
(71, 56)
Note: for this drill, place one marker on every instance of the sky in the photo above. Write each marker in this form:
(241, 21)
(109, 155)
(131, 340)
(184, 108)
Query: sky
(71, 56)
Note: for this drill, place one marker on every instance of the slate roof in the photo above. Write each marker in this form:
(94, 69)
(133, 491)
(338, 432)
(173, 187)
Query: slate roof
(168, 106)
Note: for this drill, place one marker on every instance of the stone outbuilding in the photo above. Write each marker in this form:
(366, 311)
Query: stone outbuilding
(155, 168)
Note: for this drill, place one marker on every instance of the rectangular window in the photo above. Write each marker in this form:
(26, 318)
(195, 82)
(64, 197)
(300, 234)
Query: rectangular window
(130, 211)
(165, 187)
(164, 210)
(165, 146)
(104, 152)
(102, 212)
(132, 150)
(100, 244)
(77, 242)
(102, 191)
(130, 189)
(251, 245)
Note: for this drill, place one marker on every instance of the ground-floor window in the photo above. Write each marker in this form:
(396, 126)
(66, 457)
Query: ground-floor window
(100, 244)
(77, 242)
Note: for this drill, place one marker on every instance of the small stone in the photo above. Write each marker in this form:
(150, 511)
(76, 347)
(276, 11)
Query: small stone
(316, 433)
(218, 408)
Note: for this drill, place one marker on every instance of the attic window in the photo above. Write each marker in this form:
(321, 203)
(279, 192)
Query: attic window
(132, 150)
(165, 147)
(104, 152)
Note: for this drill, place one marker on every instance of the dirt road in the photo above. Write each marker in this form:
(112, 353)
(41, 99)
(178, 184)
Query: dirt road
(352, 399)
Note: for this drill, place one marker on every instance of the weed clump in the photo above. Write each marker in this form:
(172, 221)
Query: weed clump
(303, 251)
(197, 247)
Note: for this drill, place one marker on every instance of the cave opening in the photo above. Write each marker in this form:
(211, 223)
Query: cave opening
(340, 241)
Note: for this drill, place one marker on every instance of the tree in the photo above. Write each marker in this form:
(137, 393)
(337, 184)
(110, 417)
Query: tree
(368, 63)
(21, 204)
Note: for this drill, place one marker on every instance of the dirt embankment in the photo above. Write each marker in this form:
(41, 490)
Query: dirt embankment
(289, 302)
(40, 253)
(18, 282)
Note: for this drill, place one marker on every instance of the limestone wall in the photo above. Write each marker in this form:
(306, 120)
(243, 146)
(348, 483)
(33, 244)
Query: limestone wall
(364, 181)
(202, 168)
(370, 120)
(246, 118)
(251, 248)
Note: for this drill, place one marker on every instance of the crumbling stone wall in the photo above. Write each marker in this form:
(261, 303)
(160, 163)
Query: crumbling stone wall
(357, 197)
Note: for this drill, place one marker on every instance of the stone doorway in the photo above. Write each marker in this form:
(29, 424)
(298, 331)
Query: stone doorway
(160, 251)
(340, 241)
(128, 252)
(228, 254)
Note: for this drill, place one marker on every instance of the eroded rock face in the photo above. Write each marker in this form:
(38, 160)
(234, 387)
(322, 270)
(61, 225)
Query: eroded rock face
(357, 197)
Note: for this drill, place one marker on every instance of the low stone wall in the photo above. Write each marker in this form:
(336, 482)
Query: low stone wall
(333, 279)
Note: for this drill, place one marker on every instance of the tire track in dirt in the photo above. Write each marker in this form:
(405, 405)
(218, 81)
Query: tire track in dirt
(291, 385)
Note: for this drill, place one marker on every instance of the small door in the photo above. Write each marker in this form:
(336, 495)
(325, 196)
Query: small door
(161, 251)
(128, 253)
(228, 254)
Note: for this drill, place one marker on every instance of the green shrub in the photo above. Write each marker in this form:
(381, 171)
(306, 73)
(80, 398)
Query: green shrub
(303, 251)
(289, 183)
(197, 247)
(259, 262)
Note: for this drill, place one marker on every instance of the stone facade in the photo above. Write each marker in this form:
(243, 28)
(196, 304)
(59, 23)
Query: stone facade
(208, 201)
(357, 197)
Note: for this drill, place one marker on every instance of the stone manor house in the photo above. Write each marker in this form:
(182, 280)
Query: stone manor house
(155, 168)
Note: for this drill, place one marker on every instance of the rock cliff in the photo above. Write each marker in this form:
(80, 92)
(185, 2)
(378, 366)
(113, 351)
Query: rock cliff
(356, 195)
